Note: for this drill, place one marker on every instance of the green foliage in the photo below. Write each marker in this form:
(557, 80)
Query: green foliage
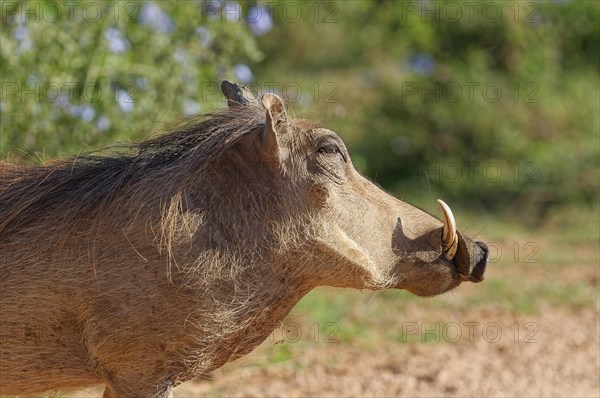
(490, 104)
(98, 72)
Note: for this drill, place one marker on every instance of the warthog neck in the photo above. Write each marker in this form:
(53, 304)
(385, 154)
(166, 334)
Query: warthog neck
(230, 317)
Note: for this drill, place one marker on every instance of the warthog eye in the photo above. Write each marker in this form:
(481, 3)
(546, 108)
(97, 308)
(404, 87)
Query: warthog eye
(329, 146)
(330, 149)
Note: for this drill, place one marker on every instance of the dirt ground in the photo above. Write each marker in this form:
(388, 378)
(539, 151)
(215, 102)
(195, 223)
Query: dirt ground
(556, 357)
(553, 354)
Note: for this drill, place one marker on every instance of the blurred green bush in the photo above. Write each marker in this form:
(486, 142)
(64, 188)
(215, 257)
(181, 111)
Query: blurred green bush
(92, 72)
(490, 104)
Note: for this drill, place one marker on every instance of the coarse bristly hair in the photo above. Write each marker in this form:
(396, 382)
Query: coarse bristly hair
(145, 187)
(144, 183)
(88, 184)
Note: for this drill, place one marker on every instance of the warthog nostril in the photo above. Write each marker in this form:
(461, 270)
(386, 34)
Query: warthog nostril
(483, 247)
(479, 269)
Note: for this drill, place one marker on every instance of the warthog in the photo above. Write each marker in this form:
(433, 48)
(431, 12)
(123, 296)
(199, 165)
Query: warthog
(144, 268)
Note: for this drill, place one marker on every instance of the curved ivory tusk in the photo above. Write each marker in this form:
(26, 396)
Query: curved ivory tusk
(449, 236)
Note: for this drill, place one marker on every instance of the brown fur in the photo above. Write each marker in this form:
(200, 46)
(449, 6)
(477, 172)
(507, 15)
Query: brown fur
(169, 258)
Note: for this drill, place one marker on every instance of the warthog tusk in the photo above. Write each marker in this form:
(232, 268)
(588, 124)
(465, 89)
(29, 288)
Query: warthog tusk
(449, 236)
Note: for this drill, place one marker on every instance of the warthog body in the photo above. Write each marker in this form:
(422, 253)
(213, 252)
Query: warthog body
(143, 269)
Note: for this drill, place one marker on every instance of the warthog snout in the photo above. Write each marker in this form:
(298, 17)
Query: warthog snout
(470, 259)
(431, 255)
(479, 269)
(471, 265)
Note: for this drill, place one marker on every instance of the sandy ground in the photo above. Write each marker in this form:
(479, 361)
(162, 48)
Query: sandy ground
(556, 356)
(555, 353)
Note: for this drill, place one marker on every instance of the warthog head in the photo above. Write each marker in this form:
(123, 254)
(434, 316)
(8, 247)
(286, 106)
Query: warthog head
(359, 235)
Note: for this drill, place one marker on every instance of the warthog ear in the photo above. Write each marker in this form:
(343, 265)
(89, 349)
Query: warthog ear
(275, 107)
(237, 95)
(275, 118)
